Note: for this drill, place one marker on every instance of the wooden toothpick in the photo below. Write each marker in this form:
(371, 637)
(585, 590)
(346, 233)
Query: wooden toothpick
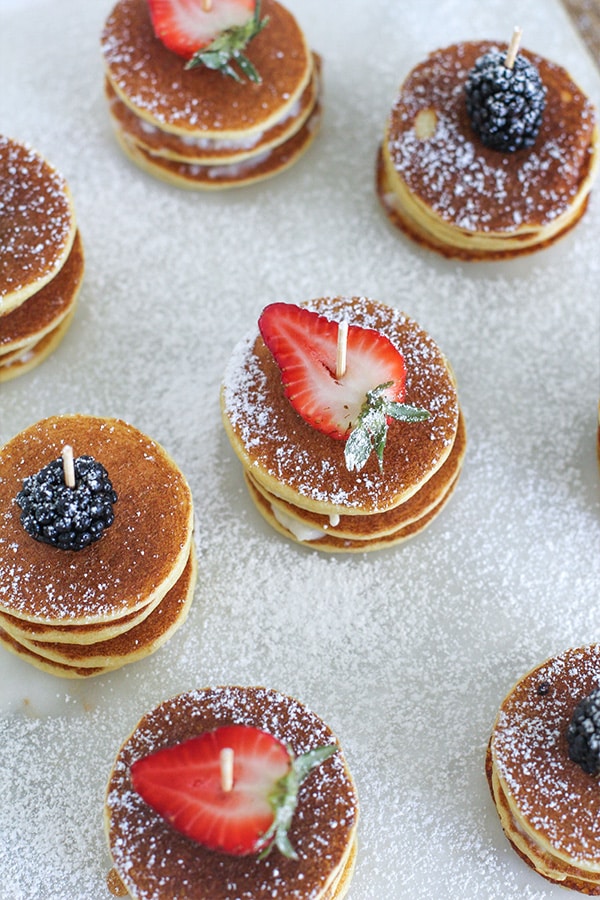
(226, 762)
(68, 467)
(342, 343)
(513, 47)
(207, 5)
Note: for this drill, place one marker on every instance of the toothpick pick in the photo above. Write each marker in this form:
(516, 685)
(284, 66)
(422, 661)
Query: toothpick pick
(342, 343)
(68, 467)
(226, 762)
(513, 47)
(207, 5)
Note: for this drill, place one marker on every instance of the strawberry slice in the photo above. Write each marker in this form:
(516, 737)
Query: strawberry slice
(183, 783)
(355, 407)
(186, 26)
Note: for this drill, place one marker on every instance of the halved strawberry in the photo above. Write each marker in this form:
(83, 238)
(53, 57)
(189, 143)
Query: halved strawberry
(354, 407)
(186, 26)
(183, 784)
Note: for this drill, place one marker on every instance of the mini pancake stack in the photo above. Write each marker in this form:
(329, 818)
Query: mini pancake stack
(549, 807)
(297, 476)
(440, 185)
(197, 128)
(81, 613)
(41, 259)
(154, 861)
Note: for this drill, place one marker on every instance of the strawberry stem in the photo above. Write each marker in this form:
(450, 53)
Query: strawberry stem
(227, 47)
(284, 799)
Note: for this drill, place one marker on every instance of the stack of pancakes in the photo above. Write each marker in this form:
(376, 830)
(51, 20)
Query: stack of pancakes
(154, 860)
(197, 128)
(549, 807)
(446, 190)
(297, 476)
(80, 613)
(41, 258)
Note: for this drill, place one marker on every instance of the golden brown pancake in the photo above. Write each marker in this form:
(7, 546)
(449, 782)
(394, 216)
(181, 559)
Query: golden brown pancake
(193, 176)
(197, 128)
(42, 312)
(152, 80)
(153, 860)
(140, 556)
(38, 223)
(305, 467)
(84, 660)
(211, 151)
(18, 362)
(446, 190)
(332, 543)
(549, 807)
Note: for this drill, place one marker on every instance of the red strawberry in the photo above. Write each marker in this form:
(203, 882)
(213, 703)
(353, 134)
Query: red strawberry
(186, 26)
(183, 784)
(354, 407)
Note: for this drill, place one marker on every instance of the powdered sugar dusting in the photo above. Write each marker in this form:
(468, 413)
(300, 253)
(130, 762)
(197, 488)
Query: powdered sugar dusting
(406, 653)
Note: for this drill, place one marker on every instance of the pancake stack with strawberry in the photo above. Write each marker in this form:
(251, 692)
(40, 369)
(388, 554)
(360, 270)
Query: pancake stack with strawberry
(345, 416)
(210, 93)
(489, 152)
(41, 258)
(97, 564)
(231, 792)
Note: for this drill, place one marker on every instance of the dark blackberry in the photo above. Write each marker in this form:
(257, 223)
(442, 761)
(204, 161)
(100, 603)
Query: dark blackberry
(505, 105)
(583, 733)
(67, 517)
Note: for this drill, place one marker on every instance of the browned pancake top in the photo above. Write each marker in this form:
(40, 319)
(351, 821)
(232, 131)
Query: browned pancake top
(156, 862)
(466, 183)
(277, 441)
(116, 574)
(153, 80)
(36, 218)
(46, 306)
(530, 750)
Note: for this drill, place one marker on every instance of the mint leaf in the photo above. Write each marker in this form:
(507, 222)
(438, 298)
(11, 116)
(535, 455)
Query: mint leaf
(228, 47)
(370, 433)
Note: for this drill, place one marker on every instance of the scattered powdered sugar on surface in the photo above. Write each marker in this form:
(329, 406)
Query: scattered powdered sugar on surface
(408, 653)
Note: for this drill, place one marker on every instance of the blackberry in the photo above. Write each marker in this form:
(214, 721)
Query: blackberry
(67, 517)
(583, 733)
(505, 105)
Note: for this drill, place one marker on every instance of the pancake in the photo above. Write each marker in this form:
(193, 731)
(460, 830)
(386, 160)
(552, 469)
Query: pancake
(211, 151)
(154, 861)
(37, 316)
(138, 558)
(18, 362)
(306, 467)
(549, 807)
(446, 190)
(194, 176)
(38, 223)
(196, 128)
(355, 530)
(133, 644)
(330, 541)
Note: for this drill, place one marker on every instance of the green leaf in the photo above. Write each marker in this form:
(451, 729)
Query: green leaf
(228, 47)
(284, 798)
(370, 433)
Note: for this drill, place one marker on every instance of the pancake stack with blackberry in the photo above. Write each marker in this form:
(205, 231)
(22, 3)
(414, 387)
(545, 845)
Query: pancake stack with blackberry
(41, 258)
(346, 458)
(97, 564)
(489, 152)
(210, 94)
(236, 791)
(543, 763)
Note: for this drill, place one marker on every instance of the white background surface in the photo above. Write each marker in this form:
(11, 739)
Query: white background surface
(407, 653)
